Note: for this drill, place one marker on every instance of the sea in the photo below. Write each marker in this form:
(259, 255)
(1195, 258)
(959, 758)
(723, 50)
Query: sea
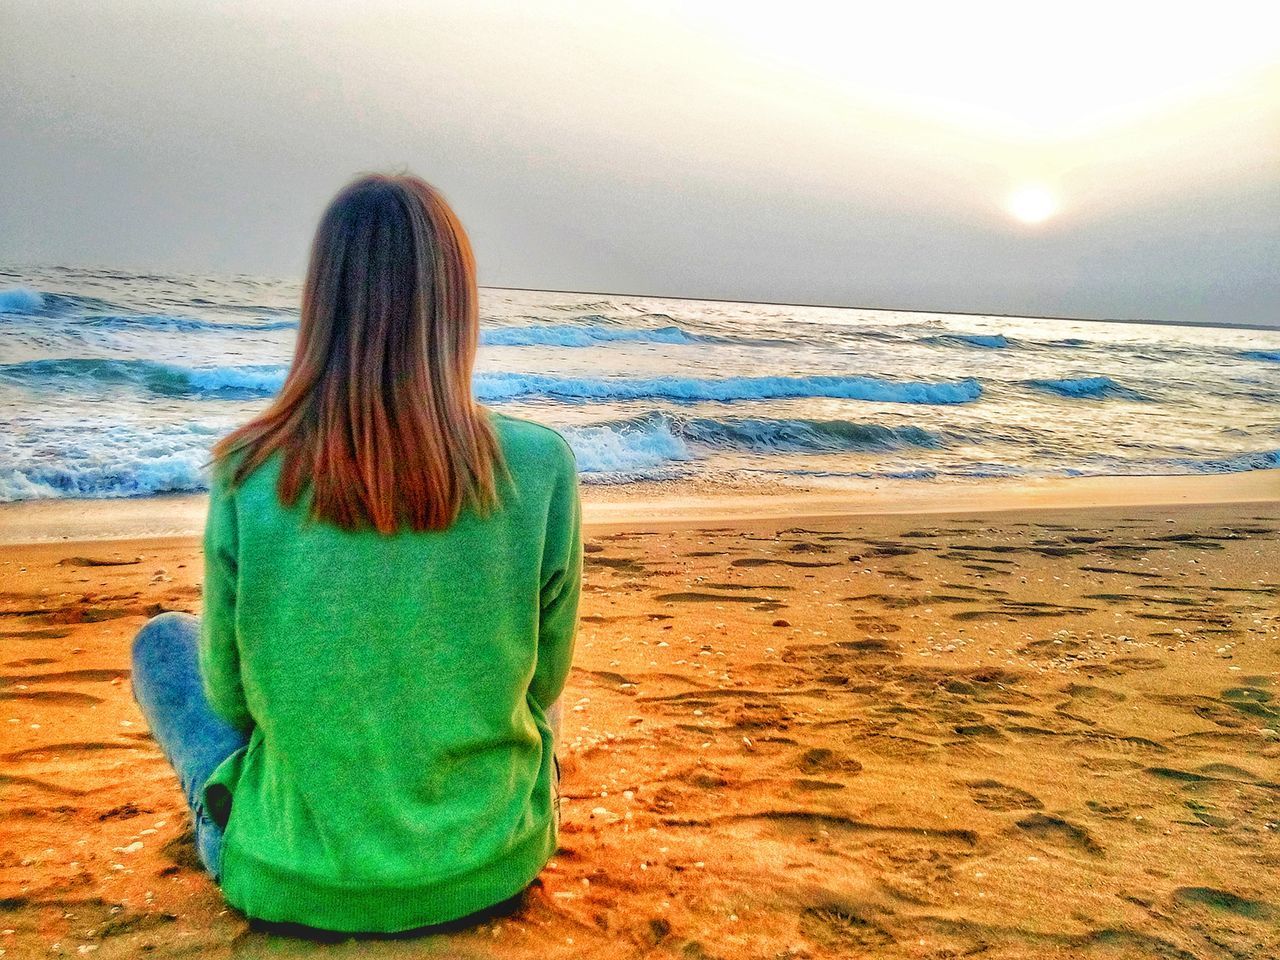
(115, 384)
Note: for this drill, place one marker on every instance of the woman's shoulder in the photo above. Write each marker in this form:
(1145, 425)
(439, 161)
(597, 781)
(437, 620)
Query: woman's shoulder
(528, 440)
(224, 479)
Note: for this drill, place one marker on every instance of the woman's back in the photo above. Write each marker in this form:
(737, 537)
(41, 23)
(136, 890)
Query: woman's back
(398, 772)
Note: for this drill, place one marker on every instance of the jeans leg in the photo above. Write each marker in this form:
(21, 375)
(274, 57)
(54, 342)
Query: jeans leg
(166, 684)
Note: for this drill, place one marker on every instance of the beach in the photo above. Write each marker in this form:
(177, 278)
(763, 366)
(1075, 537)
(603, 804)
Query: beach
(1033, 720)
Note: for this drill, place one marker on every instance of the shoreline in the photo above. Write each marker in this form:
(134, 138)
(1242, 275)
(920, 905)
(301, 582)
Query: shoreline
(684, 503)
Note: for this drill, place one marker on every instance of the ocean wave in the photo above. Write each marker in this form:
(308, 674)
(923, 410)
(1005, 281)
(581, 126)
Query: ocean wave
(759, 434)
(20, 300)
(1091, 388)
(102, 460)
(650, 445)
(1267, 356)
(39, 303)
(266, 379)
(994, 341)
(160, 378)
(498, 387)
(1240, 462)
(114, 460)
(657, 437)
(110, 460)
(583, 335)
(84, 310)
(1110, 466)
(180, 324)
(625, 452)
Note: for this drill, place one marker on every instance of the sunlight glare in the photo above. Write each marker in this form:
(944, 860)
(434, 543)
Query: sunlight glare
(1032, 203)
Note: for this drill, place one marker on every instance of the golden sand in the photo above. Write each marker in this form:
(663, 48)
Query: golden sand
(1043, 733)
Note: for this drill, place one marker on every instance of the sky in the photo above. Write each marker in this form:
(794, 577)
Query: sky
(1112, 160)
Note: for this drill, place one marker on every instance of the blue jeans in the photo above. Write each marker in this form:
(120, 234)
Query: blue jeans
(194, 739)
(166, 684)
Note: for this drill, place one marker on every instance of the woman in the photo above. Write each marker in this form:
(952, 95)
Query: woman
(363, 718)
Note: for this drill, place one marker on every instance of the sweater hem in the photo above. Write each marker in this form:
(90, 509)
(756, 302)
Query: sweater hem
(264, 891)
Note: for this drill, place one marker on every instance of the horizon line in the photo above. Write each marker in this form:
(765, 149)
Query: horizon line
(768, 303)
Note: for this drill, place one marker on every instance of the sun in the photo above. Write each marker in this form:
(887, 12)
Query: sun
(1032, 203)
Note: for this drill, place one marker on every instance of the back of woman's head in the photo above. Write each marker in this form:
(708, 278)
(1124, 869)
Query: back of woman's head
(376, 417)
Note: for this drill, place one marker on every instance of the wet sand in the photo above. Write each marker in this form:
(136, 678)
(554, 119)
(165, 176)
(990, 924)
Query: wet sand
(1041, 733)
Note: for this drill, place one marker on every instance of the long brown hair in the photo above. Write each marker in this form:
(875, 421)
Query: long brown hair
(376, 415)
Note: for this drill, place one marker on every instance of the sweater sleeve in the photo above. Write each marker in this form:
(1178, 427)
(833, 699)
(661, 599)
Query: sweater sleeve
(218, 653)
(561, 586)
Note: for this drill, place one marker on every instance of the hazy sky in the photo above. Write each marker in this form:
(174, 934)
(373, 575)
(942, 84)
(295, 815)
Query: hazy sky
(880, 155)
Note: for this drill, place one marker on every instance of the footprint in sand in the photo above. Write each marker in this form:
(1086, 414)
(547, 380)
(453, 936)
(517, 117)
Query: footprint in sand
(1141, 574)
(1188, 777)
(890, 550)
(748, 586)
(877, 626)
(767, 604)
(1224, 901)
(844, 657)
(608, 677)
(107, 676)
(92, 614)
(56, 750)
(46, 634)
(1109, 809)
(767, 561)
(994, 795)
(982, 730)
(803, 783)
(901, 575)
(125, 811)
(895, 601)
(97, 562)
(826, 760)
(694, 596)
(1060, 832)
(59, 697)
(1251, 702)
(840, 926)
(1054, 646)
(620, 564)
(18, 780)
(806, 547)
(1092, 694)
(1138, 663)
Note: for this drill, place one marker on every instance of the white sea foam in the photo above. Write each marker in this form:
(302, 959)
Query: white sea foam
(105, 459)
(511, 386)
(628, 451)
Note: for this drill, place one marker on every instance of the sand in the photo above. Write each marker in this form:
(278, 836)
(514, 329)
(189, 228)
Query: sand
(1038, 733)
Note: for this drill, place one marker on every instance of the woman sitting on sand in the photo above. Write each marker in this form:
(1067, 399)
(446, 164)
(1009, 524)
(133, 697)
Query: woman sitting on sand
(363, 720)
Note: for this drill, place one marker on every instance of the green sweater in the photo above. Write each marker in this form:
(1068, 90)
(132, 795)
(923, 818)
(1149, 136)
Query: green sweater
(399, 768)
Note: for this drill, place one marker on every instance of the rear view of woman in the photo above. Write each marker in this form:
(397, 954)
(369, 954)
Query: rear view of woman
(363, 719)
